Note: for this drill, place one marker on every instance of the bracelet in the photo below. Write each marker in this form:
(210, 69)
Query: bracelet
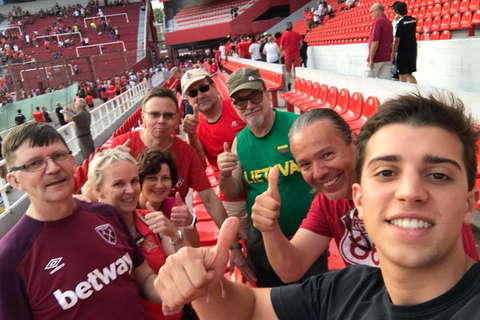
(193, 223)
(236, 245)
(179, 240)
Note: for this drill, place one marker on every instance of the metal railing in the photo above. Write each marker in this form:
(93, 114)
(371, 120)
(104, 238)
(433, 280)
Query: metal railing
(105, 16)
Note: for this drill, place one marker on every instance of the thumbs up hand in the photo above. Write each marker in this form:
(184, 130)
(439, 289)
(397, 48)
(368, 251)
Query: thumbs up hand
(125, 147)
(180, 215)
(158, 223)
(226, 161)
(190, 121)
(266, 210)
(191, 272)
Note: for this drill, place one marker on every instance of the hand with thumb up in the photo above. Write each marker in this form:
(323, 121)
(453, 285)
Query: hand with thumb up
(266, 210)
(190, 121)
(226, 161)
(191, 272)
(158, 223)
(180, 215)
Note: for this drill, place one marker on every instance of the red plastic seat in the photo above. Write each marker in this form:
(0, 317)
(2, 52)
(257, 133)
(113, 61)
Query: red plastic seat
(445, 9)
(419, 28)
(436, 24)
(454, 7)
(305, 95)
(435, 35)
(476, 18)
(474, 5)
(313, 97)
(429, 12)
(369, 107)
(466, 21)
(427, 23)
(464, 6)
(320, 102)
(437, 10)
(201, 213)
(356, 103)
(421, 13)
(343, 101)
(445, 35)
(415, 13)
(446, 20)
(298, 87)
(208, 232)
(456, 21)
(331, 98)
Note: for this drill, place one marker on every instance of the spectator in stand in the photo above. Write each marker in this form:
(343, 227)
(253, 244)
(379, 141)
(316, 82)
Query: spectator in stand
(104, 94)
(266, 137)
(379, 44)
(48, 117)
(271, 50)
(59, 112)
(82, 119)
(278, 37)
(38, 115)
(111, 91)
(405, 45)
(254, 50)
(291, 42)
(234, 12)
(218, 58)
(89, 100)
(242, 48)
(213, 68)
(46, 44)
(309, 18)
(20, 118)
(303, 52)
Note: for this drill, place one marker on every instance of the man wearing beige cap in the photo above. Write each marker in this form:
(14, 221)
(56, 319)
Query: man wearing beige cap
(263, 144)
(213, 123)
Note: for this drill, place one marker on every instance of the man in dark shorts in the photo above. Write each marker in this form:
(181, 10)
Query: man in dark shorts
(405, 45)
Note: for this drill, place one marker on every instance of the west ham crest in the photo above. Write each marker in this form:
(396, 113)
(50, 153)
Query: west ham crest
(107, 232)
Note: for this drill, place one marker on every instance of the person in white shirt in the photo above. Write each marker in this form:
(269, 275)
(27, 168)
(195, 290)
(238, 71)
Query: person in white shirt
(254, 50)
(270, 50)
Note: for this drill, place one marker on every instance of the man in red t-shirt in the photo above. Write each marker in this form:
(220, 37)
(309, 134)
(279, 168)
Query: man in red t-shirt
(89, 100)
(242, 48)
(290, 43)
(38, 115)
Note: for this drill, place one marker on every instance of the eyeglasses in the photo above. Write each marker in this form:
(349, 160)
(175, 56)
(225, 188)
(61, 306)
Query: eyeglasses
(40, 164)
(157, 115)
(367, 245)
(256, 97)
(194, 92)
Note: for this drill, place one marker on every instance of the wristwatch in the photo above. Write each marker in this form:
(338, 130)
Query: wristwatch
(179, 240)
(236, 245)
(193, 223)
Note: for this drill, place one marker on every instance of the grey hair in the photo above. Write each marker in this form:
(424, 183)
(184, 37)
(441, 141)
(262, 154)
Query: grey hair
(309, 117)
(379, 6)
(103, 160)
(82, 103)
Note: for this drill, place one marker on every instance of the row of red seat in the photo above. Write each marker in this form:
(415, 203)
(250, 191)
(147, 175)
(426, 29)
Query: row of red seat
(209, 7)
(308, 95)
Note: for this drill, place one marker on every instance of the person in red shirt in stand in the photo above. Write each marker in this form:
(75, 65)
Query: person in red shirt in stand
(104, 94)
(291, 42)
(242, 48)
(46, 44)
(111, 91)
(38, 115)
(89, 100)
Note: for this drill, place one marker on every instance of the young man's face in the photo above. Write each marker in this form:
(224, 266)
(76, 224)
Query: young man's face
(413, 195)
(325, 161)
(51, 184)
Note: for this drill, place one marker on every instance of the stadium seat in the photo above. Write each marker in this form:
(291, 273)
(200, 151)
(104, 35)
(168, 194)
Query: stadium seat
(331, 98)
(445, 9)
(435, 35)
(208, 232)
(446, 20)
(419, 26)
(436, 24)
(298, 87)
(466, 21)
(445, 35)
(415, 13)
(454, 7)
(369, 107)
(474, 5)
(421, 13)
(201, 213)
(437, 10)
(464, 6)
(356, 103)
(429, 12)
(476, 18)
(456, 21)
(427, 23)
(313, 97)
(343, 101)
(320, 102)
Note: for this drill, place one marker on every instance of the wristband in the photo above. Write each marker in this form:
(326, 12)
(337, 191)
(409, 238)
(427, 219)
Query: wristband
(193, 223)
(236, 245)
(179, 240)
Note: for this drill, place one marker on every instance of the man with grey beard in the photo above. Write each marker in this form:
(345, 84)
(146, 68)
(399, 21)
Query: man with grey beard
(261, 145)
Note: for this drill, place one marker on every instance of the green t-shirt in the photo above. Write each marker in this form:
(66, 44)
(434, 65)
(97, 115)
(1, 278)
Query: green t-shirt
(258, 155)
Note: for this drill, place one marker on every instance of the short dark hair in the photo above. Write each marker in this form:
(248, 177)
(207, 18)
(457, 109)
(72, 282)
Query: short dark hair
(39, 135)
(159, 92)
(443, 111)
(19, 110)
(150, 160)
(311, 116)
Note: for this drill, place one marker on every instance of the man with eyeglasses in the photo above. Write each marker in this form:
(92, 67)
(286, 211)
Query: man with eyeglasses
(414, 202)
(65, 259)
(379, 44)
(260, 146)
(324, 148)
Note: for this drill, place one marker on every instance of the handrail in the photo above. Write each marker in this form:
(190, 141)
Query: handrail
(52, 67)
(105, 16)
(99, 45)
(62, 34)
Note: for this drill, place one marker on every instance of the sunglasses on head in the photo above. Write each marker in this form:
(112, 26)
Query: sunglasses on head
(349, 217)
(194, 92)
